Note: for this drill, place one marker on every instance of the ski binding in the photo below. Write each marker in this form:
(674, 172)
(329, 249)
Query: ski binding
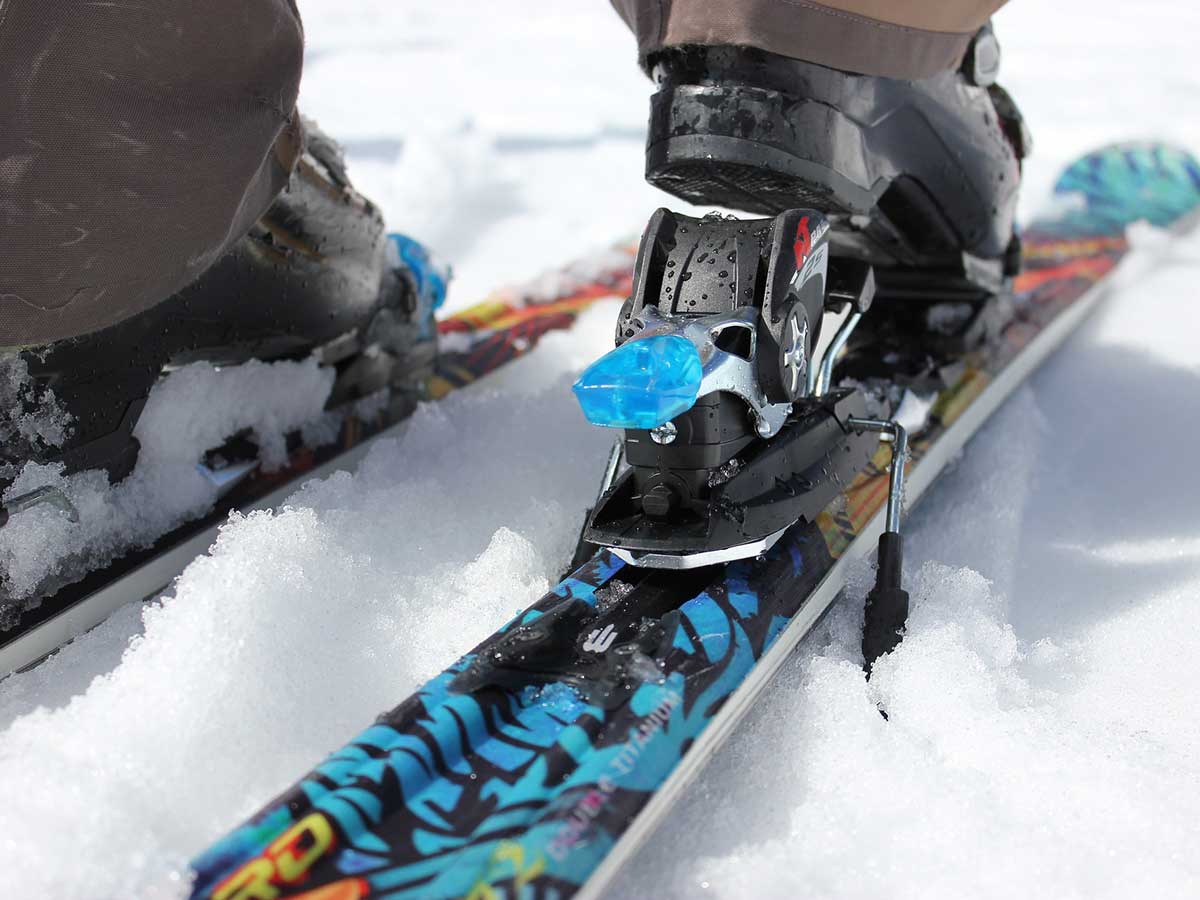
(732, 431)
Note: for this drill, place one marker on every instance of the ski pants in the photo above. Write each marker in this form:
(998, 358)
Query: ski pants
(139, 141)
(906, 39)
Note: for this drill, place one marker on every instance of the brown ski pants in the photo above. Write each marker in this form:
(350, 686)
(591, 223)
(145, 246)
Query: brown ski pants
(139, 141)
(904, 39)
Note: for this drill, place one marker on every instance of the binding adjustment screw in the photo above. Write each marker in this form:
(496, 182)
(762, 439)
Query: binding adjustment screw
(658, 501)
(664, 433)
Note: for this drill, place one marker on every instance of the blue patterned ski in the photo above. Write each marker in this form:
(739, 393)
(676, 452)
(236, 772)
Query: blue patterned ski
(530, 789)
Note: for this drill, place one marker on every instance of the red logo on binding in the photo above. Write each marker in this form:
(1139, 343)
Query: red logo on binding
(803, 242)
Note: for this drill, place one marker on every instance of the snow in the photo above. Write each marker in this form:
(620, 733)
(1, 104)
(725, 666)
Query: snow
(1041, 738)
(28, 417)
(193, 409)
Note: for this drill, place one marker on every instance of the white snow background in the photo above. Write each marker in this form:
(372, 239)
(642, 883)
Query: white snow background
(1043, 739)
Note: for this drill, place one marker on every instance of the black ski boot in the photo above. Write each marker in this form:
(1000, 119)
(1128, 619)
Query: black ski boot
(918, 178)
(318, 274)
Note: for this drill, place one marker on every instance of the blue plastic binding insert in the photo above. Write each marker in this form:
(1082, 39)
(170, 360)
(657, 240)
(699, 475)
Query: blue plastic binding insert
(642, 384)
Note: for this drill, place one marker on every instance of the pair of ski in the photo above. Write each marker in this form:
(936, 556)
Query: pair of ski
(534, 765)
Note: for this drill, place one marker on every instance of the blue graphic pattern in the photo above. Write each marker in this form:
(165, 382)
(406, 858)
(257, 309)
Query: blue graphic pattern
(1126, 183)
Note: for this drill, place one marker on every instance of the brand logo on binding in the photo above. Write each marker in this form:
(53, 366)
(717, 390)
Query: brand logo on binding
(600, 639)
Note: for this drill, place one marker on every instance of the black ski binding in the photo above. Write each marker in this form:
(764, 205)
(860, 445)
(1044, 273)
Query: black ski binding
(731, 431)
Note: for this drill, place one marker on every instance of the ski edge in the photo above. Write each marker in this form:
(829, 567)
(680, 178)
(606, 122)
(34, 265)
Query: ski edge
(826, 593)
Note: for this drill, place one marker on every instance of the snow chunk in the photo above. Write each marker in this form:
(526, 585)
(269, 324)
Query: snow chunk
(29, 418)
(199, 406)
(192, 410)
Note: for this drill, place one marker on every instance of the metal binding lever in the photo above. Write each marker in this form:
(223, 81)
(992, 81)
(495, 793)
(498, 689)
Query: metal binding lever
(887, 603)
(851, 283)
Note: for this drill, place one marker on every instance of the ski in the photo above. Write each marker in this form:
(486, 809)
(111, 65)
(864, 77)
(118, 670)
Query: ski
(535, 764)
(474, 343)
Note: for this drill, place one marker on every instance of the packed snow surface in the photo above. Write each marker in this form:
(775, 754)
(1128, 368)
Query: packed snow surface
(1042, 738)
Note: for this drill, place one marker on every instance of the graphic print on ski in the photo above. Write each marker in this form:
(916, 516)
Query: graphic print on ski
(524, 790)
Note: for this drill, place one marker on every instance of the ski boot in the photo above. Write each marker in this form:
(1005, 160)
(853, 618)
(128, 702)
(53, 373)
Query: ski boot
(917, 178)
(318, 274)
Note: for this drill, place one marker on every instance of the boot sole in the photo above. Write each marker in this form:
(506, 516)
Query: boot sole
(757, 151)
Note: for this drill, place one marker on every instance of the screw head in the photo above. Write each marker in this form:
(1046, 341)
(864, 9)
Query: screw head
(664, 433)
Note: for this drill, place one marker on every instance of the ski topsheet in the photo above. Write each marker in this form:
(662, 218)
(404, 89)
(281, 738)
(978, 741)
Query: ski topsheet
(489, 790)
